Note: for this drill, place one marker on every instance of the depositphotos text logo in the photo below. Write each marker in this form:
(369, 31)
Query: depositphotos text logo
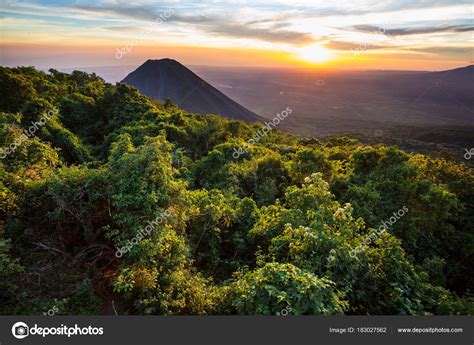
(21, 330)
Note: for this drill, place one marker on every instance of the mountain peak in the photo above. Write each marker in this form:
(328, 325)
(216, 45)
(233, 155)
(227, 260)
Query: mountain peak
(169, 79)
(160, 61)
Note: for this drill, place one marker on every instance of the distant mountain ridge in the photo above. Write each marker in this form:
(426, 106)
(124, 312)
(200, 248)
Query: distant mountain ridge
(460, 76)
(168, 79)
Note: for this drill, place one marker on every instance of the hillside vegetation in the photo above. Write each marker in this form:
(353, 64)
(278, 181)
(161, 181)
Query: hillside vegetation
(121, 204)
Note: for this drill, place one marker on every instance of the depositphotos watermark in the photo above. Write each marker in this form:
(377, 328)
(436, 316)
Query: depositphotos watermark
(285, 311)
(380, 33)
(381, 229)
(163, 17)
(27, 134)
(21, 330)
(146, 231)
(262, 132)
(469, 153)
(51, 312)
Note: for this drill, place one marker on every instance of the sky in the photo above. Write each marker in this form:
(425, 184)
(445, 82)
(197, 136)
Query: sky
(358, 34)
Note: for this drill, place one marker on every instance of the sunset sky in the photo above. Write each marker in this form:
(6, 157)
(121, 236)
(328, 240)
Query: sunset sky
(377, 34)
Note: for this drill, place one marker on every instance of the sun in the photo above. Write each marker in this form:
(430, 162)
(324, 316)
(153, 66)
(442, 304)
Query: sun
(314, 53)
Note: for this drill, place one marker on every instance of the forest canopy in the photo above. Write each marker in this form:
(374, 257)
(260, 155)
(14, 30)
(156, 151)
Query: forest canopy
(111, 202)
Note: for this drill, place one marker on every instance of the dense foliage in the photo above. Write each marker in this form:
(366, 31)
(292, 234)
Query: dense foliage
(121, 204)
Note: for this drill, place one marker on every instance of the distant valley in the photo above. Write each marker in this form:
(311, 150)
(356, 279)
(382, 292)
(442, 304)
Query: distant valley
(352, 102)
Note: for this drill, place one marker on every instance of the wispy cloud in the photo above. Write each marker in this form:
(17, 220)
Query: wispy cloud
(415, 30)
(446, 51)
(343, 45)
(269, 35)
(268, 29)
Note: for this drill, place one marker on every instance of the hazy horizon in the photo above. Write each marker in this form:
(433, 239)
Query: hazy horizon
(113, 74)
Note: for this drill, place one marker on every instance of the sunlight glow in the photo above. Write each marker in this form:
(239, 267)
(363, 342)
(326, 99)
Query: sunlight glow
(314, 53)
